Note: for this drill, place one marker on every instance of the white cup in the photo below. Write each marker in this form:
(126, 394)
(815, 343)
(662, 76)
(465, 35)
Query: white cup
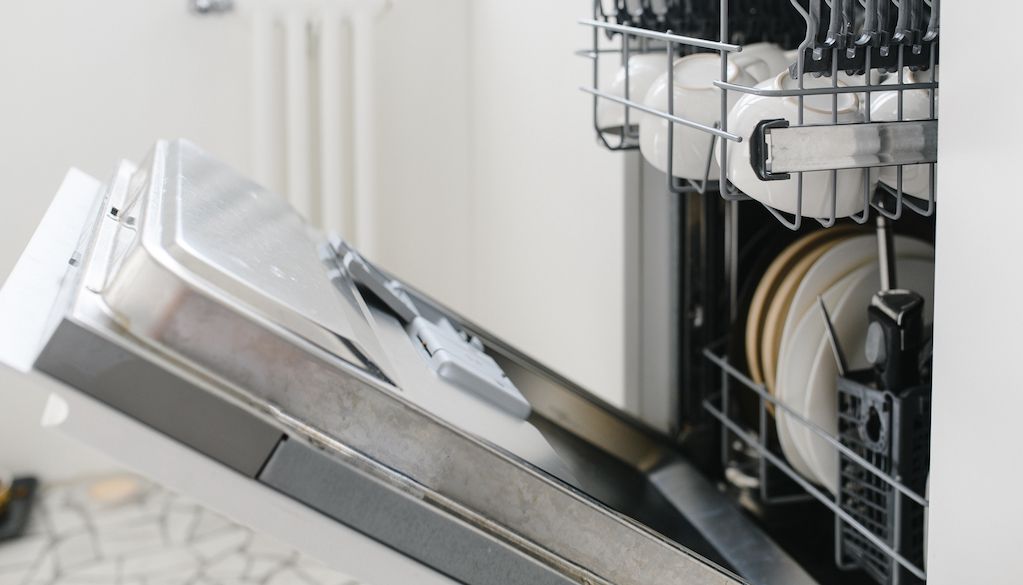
(850, 80)
(644, 68)
(761, 60)
(859, 79)
(696, 99)
(784, 194)
(916, 105)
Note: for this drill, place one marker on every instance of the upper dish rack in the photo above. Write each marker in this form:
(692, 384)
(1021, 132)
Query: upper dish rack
(861, 41)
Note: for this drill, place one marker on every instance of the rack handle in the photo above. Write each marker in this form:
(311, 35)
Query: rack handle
(759, 151)
(778, 149)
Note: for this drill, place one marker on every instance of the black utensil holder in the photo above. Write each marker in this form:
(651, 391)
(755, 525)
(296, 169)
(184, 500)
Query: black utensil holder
(891, 430)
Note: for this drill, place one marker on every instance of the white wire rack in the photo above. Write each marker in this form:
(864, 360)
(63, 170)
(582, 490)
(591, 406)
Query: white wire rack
(854, 39)
(859, 36)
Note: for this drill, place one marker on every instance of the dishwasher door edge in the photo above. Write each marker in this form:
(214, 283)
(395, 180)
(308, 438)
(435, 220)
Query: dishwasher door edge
(346, 418)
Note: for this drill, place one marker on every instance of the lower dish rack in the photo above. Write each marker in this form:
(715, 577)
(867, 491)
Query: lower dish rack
(883, 453)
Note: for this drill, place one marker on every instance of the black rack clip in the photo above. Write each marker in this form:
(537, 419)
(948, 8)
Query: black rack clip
(758, 150)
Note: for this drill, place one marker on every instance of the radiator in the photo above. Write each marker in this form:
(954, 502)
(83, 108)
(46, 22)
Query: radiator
(313, 135)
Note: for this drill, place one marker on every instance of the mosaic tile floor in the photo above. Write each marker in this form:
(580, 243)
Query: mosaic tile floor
(123, 530)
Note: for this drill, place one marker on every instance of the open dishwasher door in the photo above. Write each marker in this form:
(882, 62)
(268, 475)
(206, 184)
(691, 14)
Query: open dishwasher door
(194, 303)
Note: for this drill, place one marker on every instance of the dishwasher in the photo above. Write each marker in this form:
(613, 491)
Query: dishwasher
(747, 214)
(196, 315)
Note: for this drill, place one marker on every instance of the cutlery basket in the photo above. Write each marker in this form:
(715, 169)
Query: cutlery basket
(891, 430)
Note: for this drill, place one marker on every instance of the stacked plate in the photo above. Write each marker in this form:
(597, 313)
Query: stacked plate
(787, 348)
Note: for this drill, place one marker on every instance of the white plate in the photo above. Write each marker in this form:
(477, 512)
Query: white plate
(837, 262)
(794, 369)
(849, 317)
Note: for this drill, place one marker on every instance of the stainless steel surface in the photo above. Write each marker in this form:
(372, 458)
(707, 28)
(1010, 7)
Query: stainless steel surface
(82, 354)
(886, 254)
(399, 519)
(571, 408)
(632, 251)
(421, 384)
(656, 230)
(849, 146)
(208, 225)
(754, 555)
(177, 405)
(679, 495)
(223, 334)
(386, 290)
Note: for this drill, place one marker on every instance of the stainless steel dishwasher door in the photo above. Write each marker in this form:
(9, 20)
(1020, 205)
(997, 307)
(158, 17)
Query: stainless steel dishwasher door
(199, 304)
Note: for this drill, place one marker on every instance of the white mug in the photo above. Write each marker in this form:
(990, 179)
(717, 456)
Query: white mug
(761, 60)
(792, 56)
(784, 194)
(916, 105)
(695, 98)
(644, 68)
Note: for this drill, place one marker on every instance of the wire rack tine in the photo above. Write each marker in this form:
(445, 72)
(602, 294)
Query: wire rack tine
(665, 36)
(865, 214)
(812, 490)
(702, 185)
(808, 91)
(595, 56)
(628, 139)
(932, 170)
(655, 112)
(816, 429)
(792, 225)
(831, 219)
(626, 110)
(670, 166)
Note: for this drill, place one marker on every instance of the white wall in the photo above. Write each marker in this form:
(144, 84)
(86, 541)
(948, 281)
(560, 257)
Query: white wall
(84, 84)
(547, 205)
(976, 512)
(423, 147)
(88, 83)
(493, 195)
